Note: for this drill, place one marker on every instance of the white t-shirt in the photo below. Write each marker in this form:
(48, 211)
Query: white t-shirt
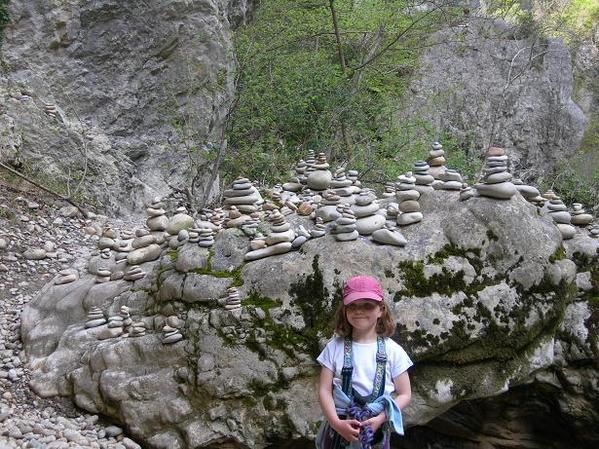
(364, 361)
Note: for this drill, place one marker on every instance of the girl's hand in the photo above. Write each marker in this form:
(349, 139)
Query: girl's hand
(349, 429)
(376, 421)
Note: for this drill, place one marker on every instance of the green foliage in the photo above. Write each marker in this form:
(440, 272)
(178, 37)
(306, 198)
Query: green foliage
(573, 187)
(295, 94)
(4, 18)
(572, 20)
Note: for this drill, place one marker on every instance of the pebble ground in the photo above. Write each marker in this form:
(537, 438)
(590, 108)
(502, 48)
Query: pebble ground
(38, 238)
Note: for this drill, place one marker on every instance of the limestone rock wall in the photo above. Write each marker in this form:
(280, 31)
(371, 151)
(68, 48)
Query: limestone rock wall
(121, 95)
(488, 83)
(487, 299)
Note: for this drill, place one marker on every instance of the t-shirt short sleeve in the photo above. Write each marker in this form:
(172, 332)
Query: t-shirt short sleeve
(398, 358)
(328, 355)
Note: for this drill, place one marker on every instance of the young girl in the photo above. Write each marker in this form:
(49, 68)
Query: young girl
(361, 368)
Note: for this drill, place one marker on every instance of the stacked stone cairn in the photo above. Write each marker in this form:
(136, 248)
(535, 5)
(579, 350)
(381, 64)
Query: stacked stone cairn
(170, 334)
(424, 179)
(449, 180)
(529, 193)
(344, 228)
(107, 239)
(594, 231)
(134, 273)
(436, 160)
(342, 186)
(392, 213)
(181, 220)
(157, 219)
(319, 229)
(466, 192)
(389, 235)
(95, 318)
(558, 211)
(319, 179)
(205, 238)
(250, 227)
(365, 211)
(327, 209)
(244, 196)
(233, 301)
(278, 241)
(302, 236)
(137, 329)
(103, 273)
(297, 182)
(66, 276)
(407, 197)
(353, 175)
(218, 217)
(550, 195)
(145, 247)
(123, 246)
(496, 182)
(50, 109)
(579, 215)
(389, 191)
(122, 320)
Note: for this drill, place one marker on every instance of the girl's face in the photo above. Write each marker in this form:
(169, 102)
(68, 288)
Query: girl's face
(363, 314)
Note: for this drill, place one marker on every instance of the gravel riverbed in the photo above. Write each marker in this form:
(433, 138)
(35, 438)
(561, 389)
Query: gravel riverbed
(40, 236)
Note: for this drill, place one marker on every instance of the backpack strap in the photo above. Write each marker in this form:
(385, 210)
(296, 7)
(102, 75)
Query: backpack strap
(348, 367)
(378, 387)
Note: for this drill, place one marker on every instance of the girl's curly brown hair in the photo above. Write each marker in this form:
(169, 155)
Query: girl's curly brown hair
(385, 325)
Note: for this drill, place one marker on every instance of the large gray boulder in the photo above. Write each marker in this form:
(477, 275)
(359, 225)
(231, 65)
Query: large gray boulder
(484, 293)
(117, 95)
(488, 82)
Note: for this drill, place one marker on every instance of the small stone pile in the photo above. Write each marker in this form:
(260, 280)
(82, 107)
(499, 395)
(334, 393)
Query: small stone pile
(327, 209)
(407, 197)
(365, 211)
(95, 318)
(296, 183)
(579, 215)
(353, 176)
(181, 220)
(558, 211)
(529, 193)
(278, 241)
(389, 235)
(170, 334)
(466, 192)
(496, 182)
(244, 196)
(594, 231)
(134, 273)
(449, 180)
(320, 178)
(137, 329)
(66, 276)
(424, 179)
(550, 195)
(233, 301)
(107, 239)
(319, 229)
(145, 247)
(205, 238)
(344, 229)
(340, 180)
(157, 219)
(436, 160)
(50, 109)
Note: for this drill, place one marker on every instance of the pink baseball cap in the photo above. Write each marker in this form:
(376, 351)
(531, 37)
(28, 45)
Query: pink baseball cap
(362, 287)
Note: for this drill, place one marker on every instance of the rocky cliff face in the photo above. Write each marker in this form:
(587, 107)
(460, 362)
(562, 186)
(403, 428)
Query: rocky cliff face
(122, 97)
(487, 82)
(488, 302)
